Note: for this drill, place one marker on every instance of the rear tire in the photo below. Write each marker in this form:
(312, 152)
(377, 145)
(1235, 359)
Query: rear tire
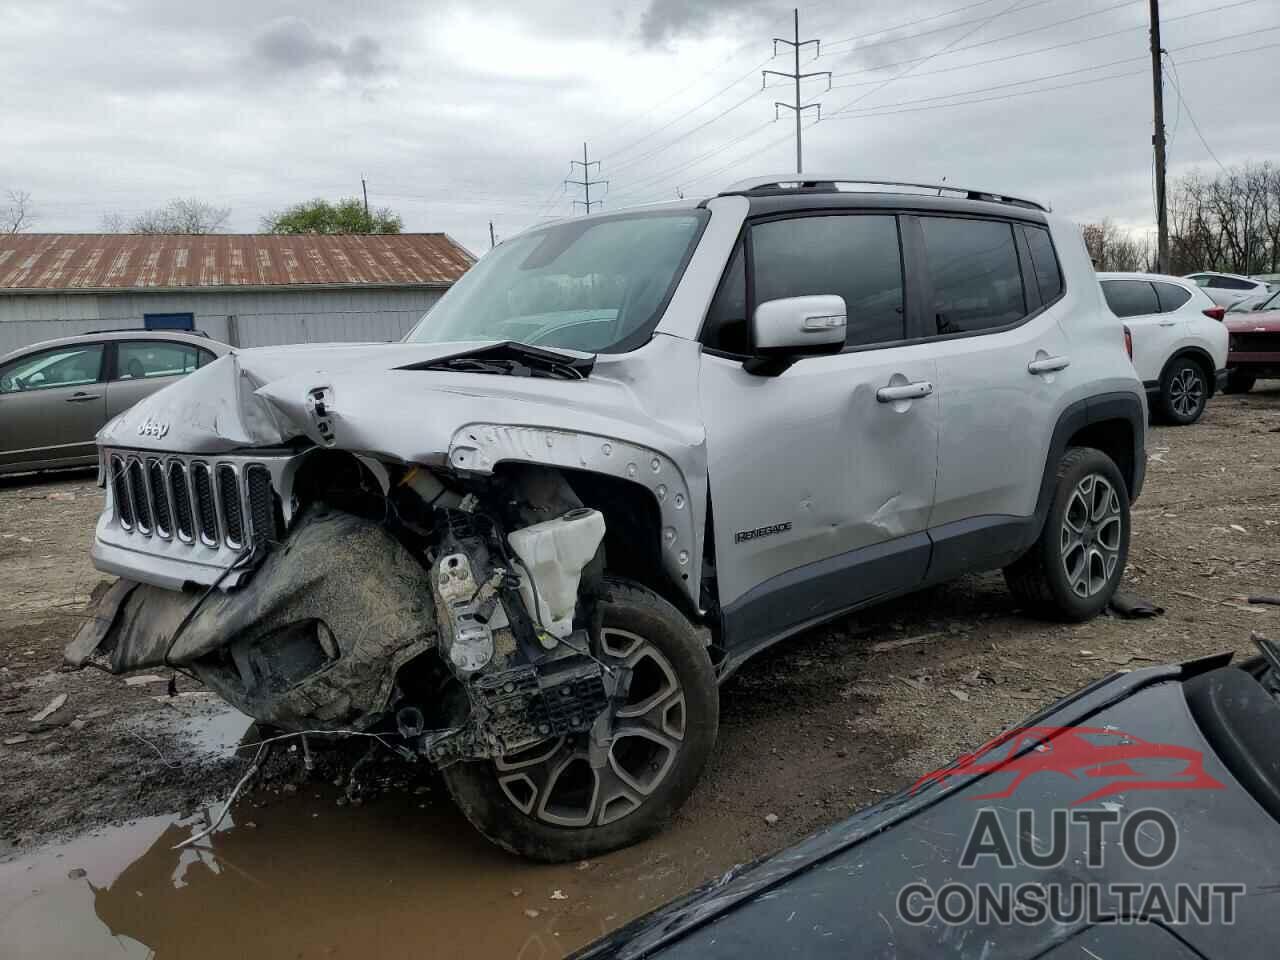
(1239, 382)
(549, 803)
(1072, 570)
(1184, 390)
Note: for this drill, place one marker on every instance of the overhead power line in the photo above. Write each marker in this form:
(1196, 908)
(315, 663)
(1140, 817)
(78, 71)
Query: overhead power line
(1183, 105)
(1029, 53)
(910, 23)
(930, 32)
(937, 53)
(876, 111)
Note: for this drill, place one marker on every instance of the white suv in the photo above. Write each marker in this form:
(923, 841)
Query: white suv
(1179, 340)
(1229, 289)
(622, 455)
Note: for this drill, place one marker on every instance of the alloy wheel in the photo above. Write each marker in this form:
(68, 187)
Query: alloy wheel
(1186, 392)
(1091, 535)
(566, 783)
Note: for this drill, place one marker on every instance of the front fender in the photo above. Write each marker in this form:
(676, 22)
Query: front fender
(479, 447)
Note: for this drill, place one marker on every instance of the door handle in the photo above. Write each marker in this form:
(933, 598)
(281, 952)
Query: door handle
(83, 397)
(1167, 323)
(906, 391)
(1048, 365)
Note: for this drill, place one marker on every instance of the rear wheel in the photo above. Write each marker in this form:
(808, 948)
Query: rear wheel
(1071, 572)
(571, 798)
(1184, 390)
(1240, 382)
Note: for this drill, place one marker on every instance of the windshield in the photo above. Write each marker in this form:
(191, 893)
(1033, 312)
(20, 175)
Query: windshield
(595, 285)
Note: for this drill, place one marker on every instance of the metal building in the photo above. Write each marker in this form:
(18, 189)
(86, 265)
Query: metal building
(245, 289)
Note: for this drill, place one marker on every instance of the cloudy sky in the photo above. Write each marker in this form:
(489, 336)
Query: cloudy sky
(459, 113)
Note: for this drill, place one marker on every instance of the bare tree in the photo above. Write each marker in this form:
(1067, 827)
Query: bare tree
(1111, 248)
(1228, 222)
(182, 215)
(16, 215)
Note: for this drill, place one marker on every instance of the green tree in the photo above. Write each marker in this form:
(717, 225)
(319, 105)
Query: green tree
(320, 216)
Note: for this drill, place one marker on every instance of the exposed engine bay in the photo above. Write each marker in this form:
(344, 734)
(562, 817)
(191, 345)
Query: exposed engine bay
(458, 621)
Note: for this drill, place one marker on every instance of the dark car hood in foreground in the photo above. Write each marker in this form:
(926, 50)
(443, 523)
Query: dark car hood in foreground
(835, 894)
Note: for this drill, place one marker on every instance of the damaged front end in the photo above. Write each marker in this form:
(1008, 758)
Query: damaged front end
(431, 623)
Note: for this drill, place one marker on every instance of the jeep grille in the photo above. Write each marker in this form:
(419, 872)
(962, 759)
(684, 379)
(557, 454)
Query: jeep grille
(195, 501)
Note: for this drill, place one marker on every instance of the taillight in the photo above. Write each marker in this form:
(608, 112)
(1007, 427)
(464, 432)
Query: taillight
(1128, 342)
(1216, 313)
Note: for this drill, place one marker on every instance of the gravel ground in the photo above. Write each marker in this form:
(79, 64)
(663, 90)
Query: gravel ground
(810, 731)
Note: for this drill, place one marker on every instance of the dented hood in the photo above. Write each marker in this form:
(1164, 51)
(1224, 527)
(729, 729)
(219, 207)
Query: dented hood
(261, 398)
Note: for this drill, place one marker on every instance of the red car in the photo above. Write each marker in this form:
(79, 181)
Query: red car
(1254, 347)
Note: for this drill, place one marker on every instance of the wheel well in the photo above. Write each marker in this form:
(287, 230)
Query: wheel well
(340, 479)
(1203, 359)
(1115, 439)
(633, 531)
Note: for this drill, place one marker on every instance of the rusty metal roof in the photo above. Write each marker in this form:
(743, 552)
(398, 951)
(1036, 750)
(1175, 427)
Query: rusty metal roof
(91, 262)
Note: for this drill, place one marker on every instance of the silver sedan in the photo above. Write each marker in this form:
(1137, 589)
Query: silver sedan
(56, 395)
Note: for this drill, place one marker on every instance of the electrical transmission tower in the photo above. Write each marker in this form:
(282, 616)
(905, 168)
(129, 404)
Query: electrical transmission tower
(797, 76)
(586, 183)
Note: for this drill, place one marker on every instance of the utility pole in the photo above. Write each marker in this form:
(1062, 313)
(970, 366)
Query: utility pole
(586, 183)
(492, 241)
(799, 108)
(364, 188)
(1158, 141)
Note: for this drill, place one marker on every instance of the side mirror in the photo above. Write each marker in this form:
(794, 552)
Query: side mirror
(783, 331)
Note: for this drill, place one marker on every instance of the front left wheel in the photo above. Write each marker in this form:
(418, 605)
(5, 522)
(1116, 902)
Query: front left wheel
(576, 797)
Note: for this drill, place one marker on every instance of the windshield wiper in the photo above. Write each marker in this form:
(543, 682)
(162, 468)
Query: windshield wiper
(512, 359)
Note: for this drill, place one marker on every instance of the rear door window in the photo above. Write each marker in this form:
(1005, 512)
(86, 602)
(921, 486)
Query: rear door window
(1171, 297)
(144, 359)
(1130, 298)
(855, 256)
(975, 275)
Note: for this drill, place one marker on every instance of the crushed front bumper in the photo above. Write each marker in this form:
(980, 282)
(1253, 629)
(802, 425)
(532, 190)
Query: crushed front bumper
(312, 640)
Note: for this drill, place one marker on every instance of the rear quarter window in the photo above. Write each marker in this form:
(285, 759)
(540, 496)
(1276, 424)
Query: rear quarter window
(1044, 262)
(1130, 298)
(1171, 296)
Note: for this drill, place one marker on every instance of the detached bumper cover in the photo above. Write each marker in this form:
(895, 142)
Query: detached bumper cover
(313, 639)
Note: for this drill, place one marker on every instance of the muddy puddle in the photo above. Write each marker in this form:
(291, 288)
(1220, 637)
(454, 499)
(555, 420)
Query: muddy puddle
(299, 875)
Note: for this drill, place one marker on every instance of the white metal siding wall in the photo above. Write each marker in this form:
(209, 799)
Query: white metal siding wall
(261, 318)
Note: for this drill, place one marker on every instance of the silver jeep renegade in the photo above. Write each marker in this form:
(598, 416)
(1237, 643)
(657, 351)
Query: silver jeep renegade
(625, 453)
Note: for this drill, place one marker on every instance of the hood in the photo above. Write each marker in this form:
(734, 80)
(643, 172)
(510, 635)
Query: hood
(267, 397)
(1261, 321)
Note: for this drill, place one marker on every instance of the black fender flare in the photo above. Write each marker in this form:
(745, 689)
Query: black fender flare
(1078, 417)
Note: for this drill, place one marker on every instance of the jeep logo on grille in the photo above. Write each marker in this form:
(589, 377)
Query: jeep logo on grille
(152, 428)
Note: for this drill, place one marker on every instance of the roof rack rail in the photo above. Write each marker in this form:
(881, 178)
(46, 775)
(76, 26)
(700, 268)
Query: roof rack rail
(94, 333)
(823, 183)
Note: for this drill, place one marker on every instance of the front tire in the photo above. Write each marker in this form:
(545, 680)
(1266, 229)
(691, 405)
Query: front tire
(1072, 570)
(1239, 382)
(1184, 391)
(560, 800)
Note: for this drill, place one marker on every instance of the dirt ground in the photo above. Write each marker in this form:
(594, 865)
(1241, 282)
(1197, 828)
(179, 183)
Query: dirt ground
(810, 731)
